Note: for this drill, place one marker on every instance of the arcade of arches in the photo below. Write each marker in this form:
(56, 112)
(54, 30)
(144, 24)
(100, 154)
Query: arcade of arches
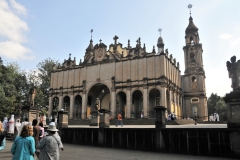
(131, 80)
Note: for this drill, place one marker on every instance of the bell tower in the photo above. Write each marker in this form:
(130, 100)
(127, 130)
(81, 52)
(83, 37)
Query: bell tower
(194, 90)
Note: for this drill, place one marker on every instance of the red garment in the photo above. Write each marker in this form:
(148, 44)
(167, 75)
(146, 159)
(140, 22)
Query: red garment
(119, 116)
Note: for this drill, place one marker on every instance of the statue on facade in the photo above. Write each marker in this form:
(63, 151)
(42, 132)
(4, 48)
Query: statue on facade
(32, 94)
(97, 104)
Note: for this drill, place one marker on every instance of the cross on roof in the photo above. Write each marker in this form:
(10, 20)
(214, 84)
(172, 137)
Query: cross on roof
(115, 39)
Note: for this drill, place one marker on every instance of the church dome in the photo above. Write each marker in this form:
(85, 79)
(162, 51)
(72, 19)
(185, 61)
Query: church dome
(90, 47)
(191, 27)
(160, 40)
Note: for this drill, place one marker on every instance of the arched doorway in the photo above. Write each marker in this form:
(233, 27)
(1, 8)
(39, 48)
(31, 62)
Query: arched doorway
(66, 103)
(137, 104)
(102, 92)
(55, 106)
(154, 100)
(121, 103)
(77, 107)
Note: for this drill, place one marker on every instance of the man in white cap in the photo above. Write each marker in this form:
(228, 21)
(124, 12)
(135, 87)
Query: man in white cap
(49, 146)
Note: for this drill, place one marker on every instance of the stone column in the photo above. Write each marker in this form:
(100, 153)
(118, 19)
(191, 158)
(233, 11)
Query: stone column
(84, 106)
(163, 97)
(160, 121)
(50, 107)
(71, 106)
(128, 114)
(113, 103)
(60, 102)
(145, 102)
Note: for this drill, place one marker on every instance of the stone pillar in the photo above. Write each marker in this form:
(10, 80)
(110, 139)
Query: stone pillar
(128, 114)
(62, 119)
(104, 118)
(60, 102)
(50, 107)
(163, 96)
(71, 106)
(145, 101)
(113, 103)
(84, 106)
(160, 120)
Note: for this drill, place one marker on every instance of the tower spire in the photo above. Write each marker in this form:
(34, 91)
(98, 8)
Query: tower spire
(189, 7)
(91, 33)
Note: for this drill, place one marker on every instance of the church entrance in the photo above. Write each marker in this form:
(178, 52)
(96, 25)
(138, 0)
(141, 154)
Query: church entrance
(101, 92)
(77, 107)
(55, 106)
(121, 103)
(66, 103)
(154, 100)
(137, 104)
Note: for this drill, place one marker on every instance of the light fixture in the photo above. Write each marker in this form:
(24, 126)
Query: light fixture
(103, 91)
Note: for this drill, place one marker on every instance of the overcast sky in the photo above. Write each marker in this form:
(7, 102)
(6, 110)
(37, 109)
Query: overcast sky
(31, 31)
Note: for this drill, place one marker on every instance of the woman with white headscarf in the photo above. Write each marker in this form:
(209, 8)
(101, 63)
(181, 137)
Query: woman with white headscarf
(4, 124)
(11, 125)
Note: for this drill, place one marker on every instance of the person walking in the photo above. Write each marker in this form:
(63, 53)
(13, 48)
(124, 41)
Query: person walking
(49, 145)
(36, 131)
(5, 124)
(24, 146)
(142, 114)
(11, 125)
(3, 135)
(42, 131)
(25, 122)
(119, 120)
(18, 126)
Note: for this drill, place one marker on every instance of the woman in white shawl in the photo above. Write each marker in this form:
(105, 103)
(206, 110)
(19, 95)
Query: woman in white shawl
(5, 122)
(11, 125)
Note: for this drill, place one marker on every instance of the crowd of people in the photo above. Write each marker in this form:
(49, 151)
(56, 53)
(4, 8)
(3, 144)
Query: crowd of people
(31, 141)
(214, 117)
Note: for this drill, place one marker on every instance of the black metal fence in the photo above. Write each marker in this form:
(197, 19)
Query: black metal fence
(193, 141)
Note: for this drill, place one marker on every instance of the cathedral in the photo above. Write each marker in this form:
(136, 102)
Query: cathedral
(132, 81)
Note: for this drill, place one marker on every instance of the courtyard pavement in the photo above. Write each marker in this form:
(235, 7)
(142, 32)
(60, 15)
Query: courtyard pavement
(80, 152)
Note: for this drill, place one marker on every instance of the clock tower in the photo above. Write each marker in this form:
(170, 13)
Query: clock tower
(194, 90)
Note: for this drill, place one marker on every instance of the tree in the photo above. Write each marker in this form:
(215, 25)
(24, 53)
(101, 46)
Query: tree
(11, 89)
(45, 69)
(216, 104)
(211, 103)
(221, 109)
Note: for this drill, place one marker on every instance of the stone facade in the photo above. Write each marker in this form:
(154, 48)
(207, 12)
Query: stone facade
(125, 79)
(193, 80)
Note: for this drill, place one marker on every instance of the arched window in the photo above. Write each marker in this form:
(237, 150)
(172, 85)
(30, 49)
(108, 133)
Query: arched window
(157, 99)
(192, 57)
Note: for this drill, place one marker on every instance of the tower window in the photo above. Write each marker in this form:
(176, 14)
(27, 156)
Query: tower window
(191, 41)
(192, 57)
(194, 82)
(194, 79)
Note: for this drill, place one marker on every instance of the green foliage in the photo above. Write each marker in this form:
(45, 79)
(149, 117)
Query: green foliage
(45, 69)
(216, 104)
(15, 85)
(221, 109)
(10, 89)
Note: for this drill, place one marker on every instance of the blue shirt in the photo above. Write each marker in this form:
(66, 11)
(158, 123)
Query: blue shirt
(23, 148)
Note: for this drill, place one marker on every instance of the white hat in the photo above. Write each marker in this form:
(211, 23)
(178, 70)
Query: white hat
(52, 124)
(52, 128)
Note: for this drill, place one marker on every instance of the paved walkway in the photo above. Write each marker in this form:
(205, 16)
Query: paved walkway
(80, 152)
